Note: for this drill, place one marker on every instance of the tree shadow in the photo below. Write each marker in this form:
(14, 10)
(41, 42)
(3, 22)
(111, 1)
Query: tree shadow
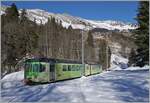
(132, 85)
(43, 93)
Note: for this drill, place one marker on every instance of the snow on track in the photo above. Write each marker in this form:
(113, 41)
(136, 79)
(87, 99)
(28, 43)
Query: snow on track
(110, 86)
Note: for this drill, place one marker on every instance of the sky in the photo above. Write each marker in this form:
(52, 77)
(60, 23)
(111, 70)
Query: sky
(95, 10)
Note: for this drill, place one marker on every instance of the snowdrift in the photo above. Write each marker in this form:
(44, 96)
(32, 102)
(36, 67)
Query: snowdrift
(118, 62)
(12, 80)
(121, 63)
(16, 76)
(139, 68)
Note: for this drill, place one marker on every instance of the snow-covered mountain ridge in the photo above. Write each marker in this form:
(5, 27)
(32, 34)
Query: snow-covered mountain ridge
(41, 16)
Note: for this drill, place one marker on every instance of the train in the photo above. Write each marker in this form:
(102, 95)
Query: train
(46, 70)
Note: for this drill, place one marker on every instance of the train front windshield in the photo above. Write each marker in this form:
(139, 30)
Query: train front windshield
(39, 71)
(35, 67)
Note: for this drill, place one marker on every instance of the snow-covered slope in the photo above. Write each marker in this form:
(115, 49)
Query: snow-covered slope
(16, 76)
(120, 63)
(42, 16)
(115, 59)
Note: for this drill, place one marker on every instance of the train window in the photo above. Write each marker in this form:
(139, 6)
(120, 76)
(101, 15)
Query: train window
(69, 67)
(35, 67)
(42, 68)
(30, 68)
(78, 67)
(64, 67)
(73, 68)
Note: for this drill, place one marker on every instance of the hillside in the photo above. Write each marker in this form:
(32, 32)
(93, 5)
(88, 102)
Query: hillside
(59, 36)
(115, 29)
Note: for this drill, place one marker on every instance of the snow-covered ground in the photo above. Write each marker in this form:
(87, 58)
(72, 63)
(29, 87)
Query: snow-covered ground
(109, 86)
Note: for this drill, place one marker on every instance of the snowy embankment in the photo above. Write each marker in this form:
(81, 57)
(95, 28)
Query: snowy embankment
(121, 63)
(110, 86)
(12, 80)
(16, 76)
(118, 62)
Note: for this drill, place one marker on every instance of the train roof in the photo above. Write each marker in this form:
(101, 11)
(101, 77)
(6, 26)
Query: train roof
(40, 60)
(52, 60)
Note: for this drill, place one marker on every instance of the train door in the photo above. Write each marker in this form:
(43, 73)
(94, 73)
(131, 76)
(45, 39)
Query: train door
(82, 67)
(42, 71)
(52, 72)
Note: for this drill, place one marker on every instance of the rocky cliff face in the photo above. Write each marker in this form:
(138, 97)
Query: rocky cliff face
(120, 43)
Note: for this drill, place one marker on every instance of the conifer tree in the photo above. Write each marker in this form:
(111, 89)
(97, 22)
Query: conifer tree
(109, 56)
(12, 13)
(141, 34)
(18, 38)
(23, 16)
(103, 53)
(132, 58)
(90, 39)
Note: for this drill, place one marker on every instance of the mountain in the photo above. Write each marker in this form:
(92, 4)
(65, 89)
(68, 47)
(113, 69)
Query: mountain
(41, 16)
(101, 34)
